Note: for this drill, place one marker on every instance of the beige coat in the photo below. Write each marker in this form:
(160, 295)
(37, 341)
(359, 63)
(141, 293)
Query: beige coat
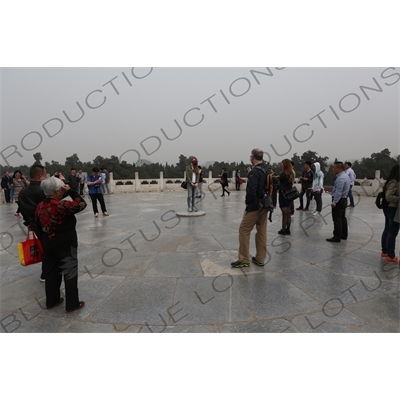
(391, 194)
(397, 216)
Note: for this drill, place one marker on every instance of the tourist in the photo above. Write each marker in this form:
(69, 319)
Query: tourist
(339, 203)
(103, 177)
(391, 191)
(317, 188)
(12, 192)
(350, 172)
(73, 180)
(28, 199)
(19, 182)
(56, 222)
(81, 177)
(286, 180)
(6, 185)
(192, 181)
(238, 178)
(306, 183)
(199, 191)
(292, 206)
(59, 175)
(253, 214)
(224, 182)
(107, 181)
(95, 185)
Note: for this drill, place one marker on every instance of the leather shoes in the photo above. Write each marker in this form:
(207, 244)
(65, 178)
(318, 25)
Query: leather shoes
(333, 239)
(59, 302)
(81, 304)
(344, 238)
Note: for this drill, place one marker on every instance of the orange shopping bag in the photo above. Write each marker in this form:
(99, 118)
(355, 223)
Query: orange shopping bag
(30, 251)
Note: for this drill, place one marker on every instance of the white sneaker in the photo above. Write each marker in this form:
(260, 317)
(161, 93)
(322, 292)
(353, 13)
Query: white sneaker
(316, 213)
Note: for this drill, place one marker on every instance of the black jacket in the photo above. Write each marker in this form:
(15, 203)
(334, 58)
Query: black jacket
(28, 199)
(74, 182)
(256, 186)
(6, 182)
(284, 184)
(308, 176)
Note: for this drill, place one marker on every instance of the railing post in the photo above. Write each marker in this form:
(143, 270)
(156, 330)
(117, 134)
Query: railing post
(161, 182)
(112, 189)
(137, 182)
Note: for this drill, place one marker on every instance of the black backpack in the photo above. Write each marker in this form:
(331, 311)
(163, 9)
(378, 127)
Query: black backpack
(270, 190)
(381, 201)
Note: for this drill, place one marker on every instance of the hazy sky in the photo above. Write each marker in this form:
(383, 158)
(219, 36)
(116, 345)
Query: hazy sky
(259, 114)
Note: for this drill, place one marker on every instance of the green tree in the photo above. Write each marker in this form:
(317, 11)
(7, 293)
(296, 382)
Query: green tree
(72, 162)
(38, 158)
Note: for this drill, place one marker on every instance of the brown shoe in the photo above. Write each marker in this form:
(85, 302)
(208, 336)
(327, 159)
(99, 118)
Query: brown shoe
(306, 209)
(81, 304)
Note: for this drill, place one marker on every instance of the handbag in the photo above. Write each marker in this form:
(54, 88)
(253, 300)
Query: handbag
(222, 182)
(30, 251)
(184, 185)
(291, 194)
(267, 203)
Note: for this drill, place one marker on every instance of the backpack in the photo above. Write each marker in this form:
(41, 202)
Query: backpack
(380, 201)
(268, 201)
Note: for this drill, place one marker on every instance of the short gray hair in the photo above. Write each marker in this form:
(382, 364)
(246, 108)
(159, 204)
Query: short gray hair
(51, 185)
(258, 154)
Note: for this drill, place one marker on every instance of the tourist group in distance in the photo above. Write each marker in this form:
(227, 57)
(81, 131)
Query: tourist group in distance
(46, 211)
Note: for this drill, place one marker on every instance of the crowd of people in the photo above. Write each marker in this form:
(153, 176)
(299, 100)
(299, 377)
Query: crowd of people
(312, 187)
(42, 202)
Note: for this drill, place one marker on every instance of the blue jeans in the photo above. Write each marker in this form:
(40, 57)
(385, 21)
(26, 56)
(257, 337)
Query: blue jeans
(318, 200)
(390, 232)
(191, 191)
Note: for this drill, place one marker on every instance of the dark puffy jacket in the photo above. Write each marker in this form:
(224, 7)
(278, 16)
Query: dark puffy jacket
(28, 200)
(256, 186)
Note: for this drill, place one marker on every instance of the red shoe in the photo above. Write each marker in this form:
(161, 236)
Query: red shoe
(393, 260)
(384, 255)
(81, 304)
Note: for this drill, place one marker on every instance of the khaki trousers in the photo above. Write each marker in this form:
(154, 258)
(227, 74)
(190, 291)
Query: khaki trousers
(249, 220)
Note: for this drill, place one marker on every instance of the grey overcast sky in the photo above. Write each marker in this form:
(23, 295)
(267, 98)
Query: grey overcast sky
(262, 110)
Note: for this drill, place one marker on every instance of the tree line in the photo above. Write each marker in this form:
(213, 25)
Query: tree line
(364, 168)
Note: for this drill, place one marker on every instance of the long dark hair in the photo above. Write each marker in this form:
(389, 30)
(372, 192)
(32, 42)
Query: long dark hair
(394, 175)
(288, 169)
(194, 164)
(15, 172)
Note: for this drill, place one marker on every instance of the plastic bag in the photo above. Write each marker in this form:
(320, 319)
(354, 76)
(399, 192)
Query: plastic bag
(30, 251)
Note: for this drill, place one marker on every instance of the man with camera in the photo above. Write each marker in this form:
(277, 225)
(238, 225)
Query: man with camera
(95, 186)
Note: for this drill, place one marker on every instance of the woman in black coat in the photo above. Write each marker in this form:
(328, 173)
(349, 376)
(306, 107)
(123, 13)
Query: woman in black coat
(224, 182)
(286, 180)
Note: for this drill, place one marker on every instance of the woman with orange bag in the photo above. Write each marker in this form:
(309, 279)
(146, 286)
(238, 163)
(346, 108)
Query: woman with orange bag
(56, 223)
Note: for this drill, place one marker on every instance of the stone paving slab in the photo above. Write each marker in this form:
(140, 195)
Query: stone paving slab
(270, 326)
(271, 296)
(137, 301)
(382, 313)
(173, 275)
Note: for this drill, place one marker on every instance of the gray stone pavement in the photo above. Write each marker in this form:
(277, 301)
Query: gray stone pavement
(143, 269)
